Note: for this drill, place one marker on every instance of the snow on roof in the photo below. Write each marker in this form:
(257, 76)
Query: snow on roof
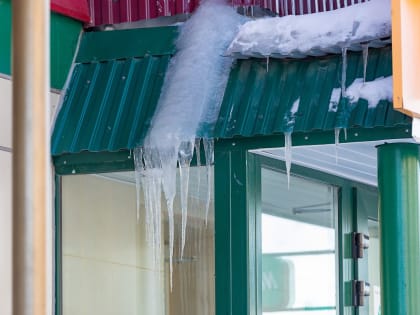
(373, 92)
(314, 34)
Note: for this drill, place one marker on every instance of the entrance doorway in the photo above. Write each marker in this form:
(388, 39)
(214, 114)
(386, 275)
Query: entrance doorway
(305, 225)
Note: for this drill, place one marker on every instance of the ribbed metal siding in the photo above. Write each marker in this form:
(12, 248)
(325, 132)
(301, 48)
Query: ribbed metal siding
(256, 102)
(109, 105)
(122, 11)
(298, 7)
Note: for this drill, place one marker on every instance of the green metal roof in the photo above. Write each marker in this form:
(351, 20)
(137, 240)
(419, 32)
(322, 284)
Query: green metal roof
(111, 99)
(113, 91)
(257, 101)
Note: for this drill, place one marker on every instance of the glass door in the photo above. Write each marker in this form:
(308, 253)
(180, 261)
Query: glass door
(305, 226)
(298, 220)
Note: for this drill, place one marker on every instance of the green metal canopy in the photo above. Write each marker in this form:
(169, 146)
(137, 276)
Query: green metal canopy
(113, 91)
(260, 95)
(118, 76)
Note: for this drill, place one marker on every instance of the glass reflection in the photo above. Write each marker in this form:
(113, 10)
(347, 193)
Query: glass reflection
(298, 246)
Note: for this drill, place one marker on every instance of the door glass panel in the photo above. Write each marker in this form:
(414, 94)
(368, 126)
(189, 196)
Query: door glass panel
(107, 265)
(298, 246)
(374, 270)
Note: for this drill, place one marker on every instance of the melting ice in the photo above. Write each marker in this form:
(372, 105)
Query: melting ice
(289, 120)
(191, 96)
(344, 72)
(365, 60)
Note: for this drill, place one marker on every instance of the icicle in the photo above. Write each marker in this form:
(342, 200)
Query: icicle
(138, 169)
(151, 182)
(151, 178)
(209, 152)
(185, 154)
(168, 160)
(365, 60)
(267, 63)
(344, 72)
(197, 146)
(288, 154)
(337, 142)
(170, 206)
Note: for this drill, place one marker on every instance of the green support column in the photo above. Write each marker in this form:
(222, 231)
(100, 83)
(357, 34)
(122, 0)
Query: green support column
(399, 216)
(234, 263)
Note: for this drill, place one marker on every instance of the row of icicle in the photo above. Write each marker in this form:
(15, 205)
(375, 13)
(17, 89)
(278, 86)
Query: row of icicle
(155, 174)
(290, 116)
(156, 170)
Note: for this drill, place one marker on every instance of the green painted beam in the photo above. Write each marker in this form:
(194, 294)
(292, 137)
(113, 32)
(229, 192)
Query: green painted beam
(399, 221)
(64, 37)
(231, 234)
(94, 162)
(65, 34)
(131, 43)
(5, 36)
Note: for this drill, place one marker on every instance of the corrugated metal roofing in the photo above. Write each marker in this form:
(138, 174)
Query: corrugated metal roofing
(260, 102)
(122, 11)
(298, 7)
(109, 103)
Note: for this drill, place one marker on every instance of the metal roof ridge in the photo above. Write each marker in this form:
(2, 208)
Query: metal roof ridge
(320, 52)
(128, 43)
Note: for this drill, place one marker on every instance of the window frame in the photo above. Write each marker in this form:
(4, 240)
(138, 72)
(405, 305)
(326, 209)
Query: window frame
(235, 229)
(237, 266)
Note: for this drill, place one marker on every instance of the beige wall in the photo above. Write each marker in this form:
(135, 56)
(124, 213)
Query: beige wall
(193, 278)
(5, 232)
(5, 196)
(107, 266)
(5, 193)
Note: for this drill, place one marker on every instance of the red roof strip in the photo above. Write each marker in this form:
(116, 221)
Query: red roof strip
(76, 9)
(122, 11)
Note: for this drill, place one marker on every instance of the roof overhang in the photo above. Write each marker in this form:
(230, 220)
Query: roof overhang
(114, 90)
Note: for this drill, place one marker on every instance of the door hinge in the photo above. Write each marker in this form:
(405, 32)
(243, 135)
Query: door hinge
(360, 242)
(361, 290)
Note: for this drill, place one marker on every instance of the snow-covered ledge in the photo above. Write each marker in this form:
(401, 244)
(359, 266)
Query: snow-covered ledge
(314, 34)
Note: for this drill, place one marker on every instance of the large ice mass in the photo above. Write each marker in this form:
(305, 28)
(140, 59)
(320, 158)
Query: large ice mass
(191, 97)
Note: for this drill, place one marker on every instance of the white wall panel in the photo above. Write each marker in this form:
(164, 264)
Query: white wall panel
(5, 113)
(5, 232)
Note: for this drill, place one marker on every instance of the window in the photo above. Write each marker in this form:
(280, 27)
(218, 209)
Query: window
(298, 246)
(374, 270)
(107, 265)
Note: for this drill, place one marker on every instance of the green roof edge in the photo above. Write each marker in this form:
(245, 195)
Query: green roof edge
(124, 44)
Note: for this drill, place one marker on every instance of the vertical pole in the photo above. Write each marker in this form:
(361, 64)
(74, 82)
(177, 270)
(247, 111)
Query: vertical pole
(31, 170)
(399, 219)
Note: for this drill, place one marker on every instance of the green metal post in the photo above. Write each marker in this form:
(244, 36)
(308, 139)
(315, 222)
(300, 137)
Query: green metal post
(231, 232)
(399, 217)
